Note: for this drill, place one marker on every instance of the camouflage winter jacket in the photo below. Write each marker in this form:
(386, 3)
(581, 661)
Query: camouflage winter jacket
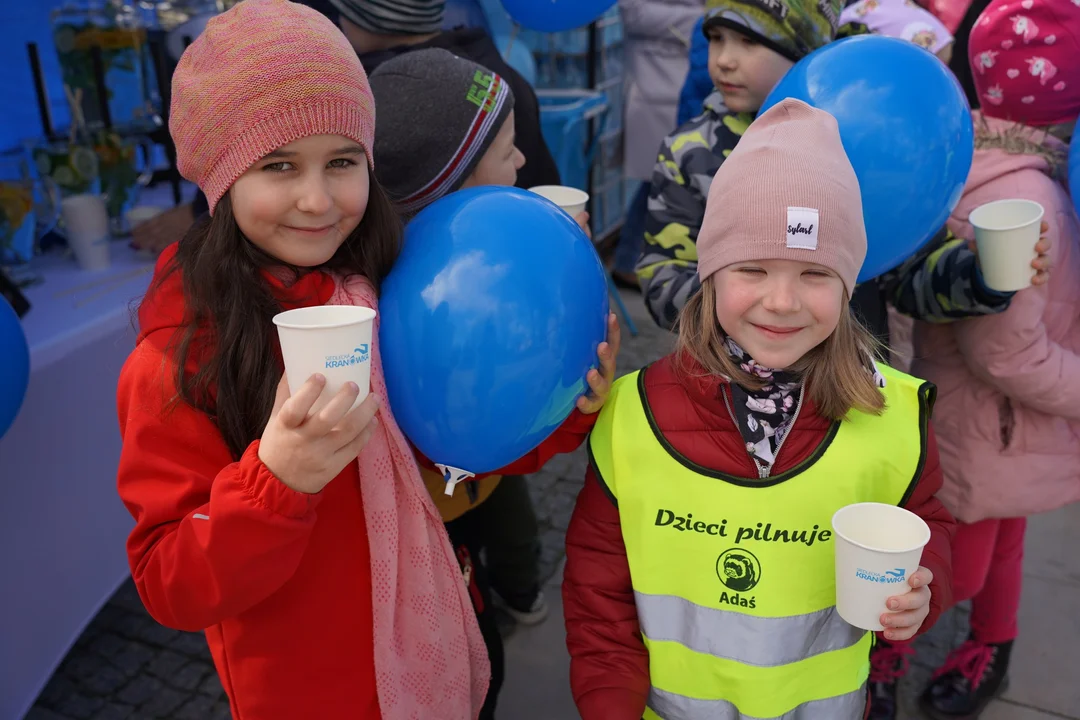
(938, 284)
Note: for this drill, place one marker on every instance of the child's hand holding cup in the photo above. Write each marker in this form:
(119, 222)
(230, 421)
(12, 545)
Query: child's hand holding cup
(1010, 244)
(908, 611)
(321, 420)
(334, 341)
(572, 201)
(880, 585)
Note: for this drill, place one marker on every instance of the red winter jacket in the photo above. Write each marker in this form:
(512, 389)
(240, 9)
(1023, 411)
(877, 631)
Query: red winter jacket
(609, 668)
(280, 580)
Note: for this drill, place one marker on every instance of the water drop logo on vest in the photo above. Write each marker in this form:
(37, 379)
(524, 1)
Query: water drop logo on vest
(357, 356)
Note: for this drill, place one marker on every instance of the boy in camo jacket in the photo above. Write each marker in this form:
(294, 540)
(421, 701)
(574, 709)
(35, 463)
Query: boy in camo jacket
(752, 44)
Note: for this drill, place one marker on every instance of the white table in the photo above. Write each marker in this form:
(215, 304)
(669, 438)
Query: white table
(63, 527)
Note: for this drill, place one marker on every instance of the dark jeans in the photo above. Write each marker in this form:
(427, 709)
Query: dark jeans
(512, 542)
(467, 538)
(504, 529)
(632, 236)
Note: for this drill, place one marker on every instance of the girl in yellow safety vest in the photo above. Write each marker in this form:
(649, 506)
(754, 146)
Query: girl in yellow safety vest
(700, 578)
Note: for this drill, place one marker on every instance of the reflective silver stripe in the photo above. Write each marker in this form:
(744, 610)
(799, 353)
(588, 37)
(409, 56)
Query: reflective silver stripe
(758, 641)
(850, 706)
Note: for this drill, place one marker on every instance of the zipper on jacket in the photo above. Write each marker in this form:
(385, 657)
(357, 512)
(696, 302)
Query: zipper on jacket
(787, 431)
(765, 470)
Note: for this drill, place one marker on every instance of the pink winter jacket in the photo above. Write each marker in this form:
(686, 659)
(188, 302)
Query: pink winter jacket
(1008, 409)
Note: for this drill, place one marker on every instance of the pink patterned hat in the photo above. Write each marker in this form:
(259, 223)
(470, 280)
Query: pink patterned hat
(262, 75)
(901, 19)
(1025, 60)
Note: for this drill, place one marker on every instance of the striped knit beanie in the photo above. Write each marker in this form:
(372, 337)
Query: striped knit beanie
(393, 17)
(438, 115)
(262, 75)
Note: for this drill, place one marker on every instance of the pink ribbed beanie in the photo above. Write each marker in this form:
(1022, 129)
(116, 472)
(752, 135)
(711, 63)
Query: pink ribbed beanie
(787, 192)
(262, 75)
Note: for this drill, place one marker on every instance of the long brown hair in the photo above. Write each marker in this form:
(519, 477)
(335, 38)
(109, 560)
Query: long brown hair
(229, 310)
(835, 371)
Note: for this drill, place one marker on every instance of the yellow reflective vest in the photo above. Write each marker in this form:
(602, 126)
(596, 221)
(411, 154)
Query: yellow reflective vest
(734, 578)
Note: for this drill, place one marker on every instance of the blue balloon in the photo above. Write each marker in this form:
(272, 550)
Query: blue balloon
(491, 319)
(14, 366)
(906, 127)
(555, 15)
(1074, 171)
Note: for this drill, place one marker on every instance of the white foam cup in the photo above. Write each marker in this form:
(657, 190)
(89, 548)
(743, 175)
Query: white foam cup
(571, 200)
(86, 223)
(334, 340)
(1006, 232)
(878, 547)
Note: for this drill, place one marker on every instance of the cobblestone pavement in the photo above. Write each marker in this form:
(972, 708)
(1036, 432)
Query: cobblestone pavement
(127, 667)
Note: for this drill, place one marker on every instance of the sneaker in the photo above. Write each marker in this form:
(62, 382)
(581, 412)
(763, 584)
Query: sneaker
(888, 663)
(972, 676)
(533, 614)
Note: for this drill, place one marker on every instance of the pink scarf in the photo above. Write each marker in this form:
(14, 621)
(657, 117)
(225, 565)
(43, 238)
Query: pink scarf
(430, 658)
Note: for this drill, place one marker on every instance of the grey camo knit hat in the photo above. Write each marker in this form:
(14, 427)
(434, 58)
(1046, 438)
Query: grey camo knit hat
(792, 28)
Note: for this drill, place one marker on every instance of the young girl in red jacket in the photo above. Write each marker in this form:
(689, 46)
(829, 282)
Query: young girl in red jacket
(305, 544)
(700, 579)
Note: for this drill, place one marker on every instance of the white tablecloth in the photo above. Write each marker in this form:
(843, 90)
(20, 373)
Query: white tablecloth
(63, 527)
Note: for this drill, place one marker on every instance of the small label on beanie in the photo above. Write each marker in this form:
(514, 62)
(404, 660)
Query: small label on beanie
(777, 8)
(802, 225)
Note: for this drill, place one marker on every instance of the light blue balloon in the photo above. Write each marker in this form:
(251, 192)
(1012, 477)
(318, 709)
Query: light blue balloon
(14, 365)
(906, 127)
(491, 319)
(556, 15)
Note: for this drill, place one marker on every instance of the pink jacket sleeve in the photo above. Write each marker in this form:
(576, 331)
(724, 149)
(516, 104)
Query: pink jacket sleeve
(1012, 351)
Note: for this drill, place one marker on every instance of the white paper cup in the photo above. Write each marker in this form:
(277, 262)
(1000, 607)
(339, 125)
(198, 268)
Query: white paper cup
(1006, 232)
(878, 547)
(86, 222)
(334, 340)
(572, 200)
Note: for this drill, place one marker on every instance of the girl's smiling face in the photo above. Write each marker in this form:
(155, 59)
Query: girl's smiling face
(300, 202)
(778, 310)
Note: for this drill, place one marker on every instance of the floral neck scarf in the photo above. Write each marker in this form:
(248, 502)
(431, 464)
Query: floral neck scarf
(764, 416)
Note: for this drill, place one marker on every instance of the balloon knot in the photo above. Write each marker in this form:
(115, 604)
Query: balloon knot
(452, 476)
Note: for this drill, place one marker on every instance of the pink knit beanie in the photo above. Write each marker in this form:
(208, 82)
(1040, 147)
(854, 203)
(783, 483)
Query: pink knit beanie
(262, 75)
(786, 192)
(1025, 61)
